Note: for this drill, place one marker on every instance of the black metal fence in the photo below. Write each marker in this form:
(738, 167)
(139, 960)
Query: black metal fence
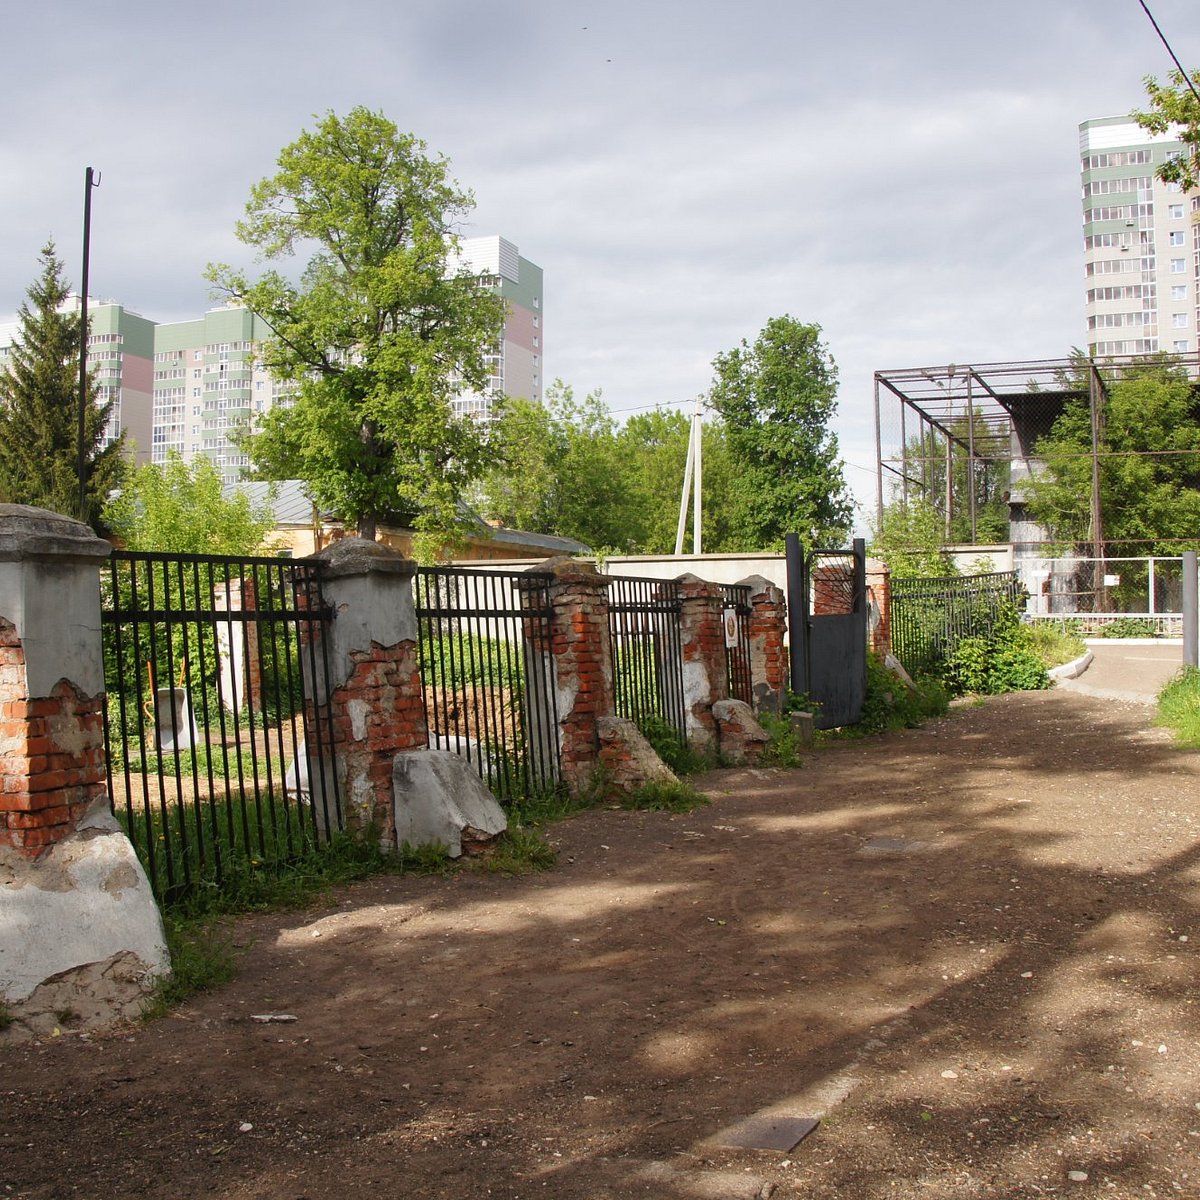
(929, 617)
(488, 674)
(210, 742)
(644, 632)
(735, 600)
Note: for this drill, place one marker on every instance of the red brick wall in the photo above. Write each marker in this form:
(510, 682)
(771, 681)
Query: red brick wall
(702, 640)
(51, 755)
(769, 665)
(879, 596)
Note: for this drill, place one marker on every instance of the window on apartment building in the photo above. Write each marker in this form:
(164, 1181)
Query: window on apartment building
(1178, 265)
(1179, 291)
(1179, 320)
(1176, 237)
(1180, 346)
(1175, 212)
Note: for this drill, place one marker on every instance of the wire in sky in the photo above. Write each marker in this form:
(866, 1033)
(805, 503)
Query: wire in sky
(1162, 38)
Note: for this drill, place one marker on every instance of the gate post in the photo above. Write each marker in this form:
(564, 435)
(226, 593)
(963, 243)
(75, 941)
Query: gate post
(702, 645)
(797, 611)
(1191, 610)
(373, 697)
(79, 929)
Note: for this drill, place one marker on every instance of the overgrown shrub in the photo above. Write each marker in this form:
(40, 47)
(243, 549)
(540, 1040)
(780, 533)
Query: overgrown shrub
(891, 704)
(1005, 659)
(1130, 627)
(670, 747)
(1056, 642)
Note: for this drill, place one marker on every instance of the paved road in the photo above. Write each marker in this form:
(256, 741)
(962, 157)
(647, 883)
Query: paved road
(1128, 670)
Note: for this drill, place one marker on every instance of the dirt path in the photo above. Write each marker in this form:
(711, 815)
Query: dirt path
(970, 948)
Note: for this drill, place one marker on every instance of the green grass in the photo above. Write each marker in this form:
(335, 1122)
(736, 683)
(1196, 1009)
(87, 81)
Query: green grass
(1055, 642)
(1179, 707)
(520, 850)
(676, 797)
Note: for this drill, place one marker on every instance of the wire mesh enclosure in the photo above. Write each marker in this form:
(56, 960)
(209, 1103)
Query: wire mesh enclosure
(735, 599)
(644, 632)
(930, 617)
(206, 661)
(979, 443)
(488, 674)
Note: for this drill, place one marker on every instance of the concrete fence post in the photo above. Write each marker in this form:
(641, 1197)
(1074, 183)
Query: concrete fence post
(373, 697)
(1191, 611)
(80, 932)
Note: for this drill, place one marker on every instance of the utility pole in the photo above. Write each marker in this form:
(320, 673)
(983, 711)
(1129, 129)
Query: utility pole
(693, 482)
(91, 180)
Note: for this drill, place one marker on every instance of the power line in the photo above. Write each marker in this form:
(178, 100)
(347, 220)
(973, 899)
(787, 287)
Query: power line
(1174, 58)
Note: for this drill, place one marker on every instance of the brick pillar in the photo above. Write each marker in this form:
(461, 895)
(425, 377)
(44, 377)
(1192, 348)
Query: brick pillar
(373, 699)
(768, 654)
(879, 607)
(702, 645)
(52, 767)
(580, 664)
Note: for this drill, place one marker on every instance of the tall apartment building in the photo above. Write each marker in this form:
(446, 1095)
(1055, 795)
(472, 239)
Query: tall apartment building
(516, 363)
(1141, 242)
(207, 385)
(121, 354)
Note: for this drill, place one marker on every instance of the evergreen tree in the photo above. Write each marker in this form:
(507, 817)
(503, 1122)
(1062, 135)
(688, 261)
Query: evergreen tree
(39, 409)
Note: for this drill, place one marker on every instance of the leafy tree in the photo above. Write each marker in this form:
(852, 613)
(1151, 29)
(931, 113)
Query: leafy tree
(910, 538)
(379, 334)
(561, 470)
(182, 508)
(1149, 464)
(39, 409)
(1175, 109)
(776, 398)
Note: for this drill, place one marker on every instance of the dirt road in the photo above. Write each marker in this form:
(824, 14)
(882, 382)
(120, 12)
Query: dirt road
(969, 948)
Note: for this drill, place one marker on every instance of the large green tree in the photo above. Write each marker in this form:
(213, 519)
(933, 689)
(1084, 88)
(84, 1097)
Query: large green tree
(1149, 466)
(777, 397)
(39, 408)
(380, 332)
(183, 508)
(1175, 109)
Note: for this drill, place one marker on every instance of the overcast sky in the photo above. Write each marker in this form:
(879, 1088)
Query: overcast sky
(905, 174)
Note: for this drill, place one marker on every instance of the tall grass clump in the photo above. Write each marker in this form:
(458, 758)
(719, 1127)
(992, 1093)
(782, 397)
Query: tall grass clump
(1179, 707)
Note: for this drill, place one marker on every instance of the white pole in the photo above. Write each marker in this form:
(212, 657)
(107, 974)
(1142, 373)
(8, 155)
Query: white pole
(697, 437)
(1150, 590)
(687, 485)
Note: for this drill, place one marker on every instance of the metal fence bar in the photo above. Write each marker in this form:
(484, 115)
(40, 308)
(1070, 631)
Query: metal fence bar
(485, 696)
(644, 633)
(204, 702)
(735, 598)
(930, 617)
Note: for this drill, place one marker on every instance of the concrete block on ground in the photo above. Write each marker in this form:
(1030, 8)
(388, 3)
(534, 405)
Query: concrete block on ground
(438, 797)
(628, 758)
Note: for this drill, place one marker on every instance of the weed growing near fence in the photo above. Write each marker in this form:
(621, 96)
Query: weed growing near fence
(1131, 627)
(670, 747)
(519, 850)
(786, 747)
(1179, 707)
(1004, 659)
(1056, 642)
(892, 704)
(677, 797)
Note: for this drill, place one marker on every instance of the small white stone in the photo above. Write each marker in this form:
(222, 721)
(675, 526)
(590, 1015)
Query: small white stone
(245, 1127)
(1077, 1176)
(1162, 1049)
(1026, 974)
(1183, 937)
(949, 1074)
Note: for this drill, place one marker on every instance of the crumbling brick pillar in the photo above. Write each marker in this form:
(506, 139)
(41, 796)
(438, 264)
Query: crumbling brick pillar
(372, 698)
(52, 767)
(581, 664)
(702, 645)
(79, 928)
(768, 654)
(879, 607)
(573, 659)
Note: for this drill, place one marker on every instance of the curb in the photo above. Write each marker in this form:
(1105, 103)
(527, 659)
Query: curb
(1073, 669)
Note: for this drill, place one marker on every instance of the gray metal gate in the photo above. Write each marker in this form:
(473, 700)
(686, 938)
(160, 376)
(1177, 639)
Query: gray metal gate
(827, 628)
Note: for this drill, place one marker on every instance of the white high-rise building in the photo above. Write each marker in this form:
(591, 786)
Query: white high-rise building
(516, 363)
(1141, 242)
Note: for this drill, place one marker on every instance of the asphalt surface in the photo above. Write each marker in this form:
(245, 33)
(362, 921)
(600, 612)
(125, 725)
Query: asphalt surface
(1128, 670)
